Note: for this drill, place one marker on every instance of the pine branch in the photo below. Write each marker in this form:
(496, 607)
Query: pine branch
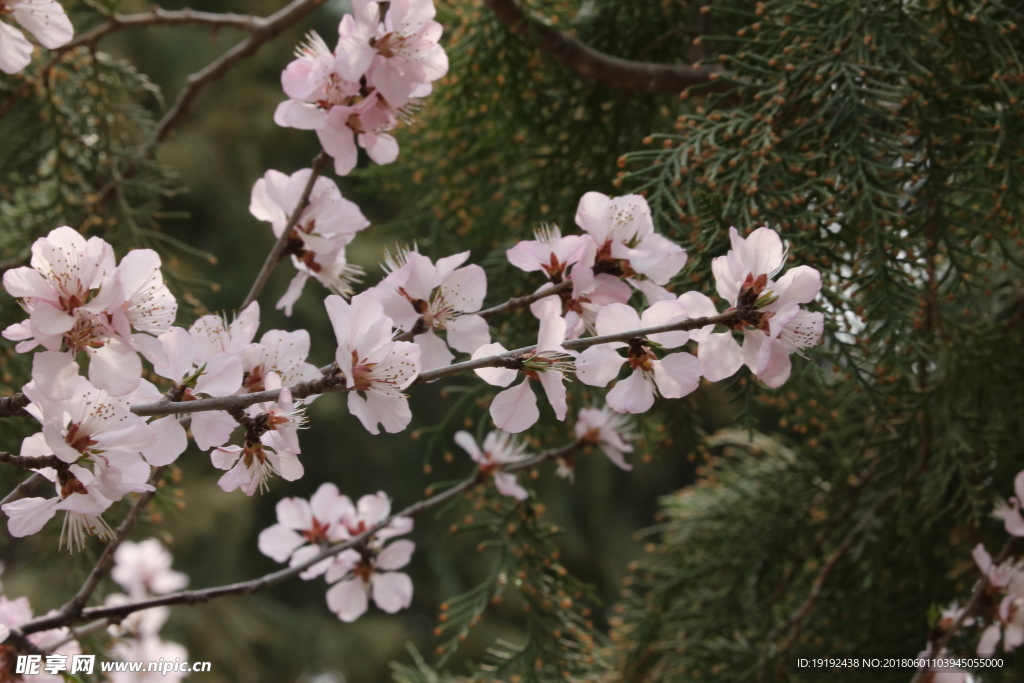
(277, 251)
(622, 74)
(191, 597)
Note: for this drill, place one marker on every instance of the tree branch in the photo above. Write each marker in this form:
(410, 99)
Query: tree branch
(334, 382)
(510, 305)
(277, 251)
(622, 74)
(14, 406)
(74, 606)
(23, 489)
(34, 462)
(191, 597)
(969, 608)
(162, 17)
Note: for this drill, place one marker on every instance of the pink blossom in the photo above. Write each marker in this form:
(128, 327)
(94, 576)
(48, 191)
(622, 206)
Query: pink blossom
(76, 301)
(196, 375)
(515, 409)
(1009, 511)
(370, 574)
(82, 494)
(623, 241)
(373, 364)
(90, 424)
(371, 510)
(401, 56)
(250, 466)
(550, 252)
(144, 569)
(44, 19)
(673, 376)
(609, 430)
(760, 253)
(500, 449)
(339, 110)
(283, 353)
(214, 334)
(418, 294)
(590, 293)
(303, 528)
(271, 445)
(318, 241)
(15, 613)
(743, 277)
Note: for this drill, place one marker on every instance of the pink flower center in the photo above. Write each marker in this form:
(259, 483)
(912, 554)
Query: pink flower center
(78, 439)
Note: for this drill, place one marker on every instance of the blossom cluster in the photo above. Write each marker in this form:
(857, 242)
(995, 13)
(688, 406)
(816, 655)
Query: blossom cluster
(358, 92)
(143, 570)
(367, 570)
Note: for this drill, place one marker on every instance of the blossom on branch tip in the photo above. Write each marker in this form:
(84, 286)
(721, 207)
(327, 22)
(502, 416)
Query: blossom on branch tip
(83, 494)
(78, 301)
(304, 528)
(427, 298)
(623, 241)
(44, 19)
(673, 376)
(499, 449)
(590, 293)
(611, 431)
(515, 409)
(317, 242)
(549, 252)
(377, 369)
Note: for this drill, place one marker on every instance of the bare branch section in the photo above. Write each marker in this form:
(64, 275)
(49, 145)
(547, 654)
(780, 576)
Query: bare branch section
(192, 597)
(277, 252)
(162, 17)
(34, 462)
(263, 30)
(24, 489)
(266, 29)
(649, 78)
(14, 406)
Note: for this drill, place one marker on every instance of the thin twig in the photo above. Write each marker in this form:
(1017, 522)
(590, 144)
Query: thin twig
(162, 17)
(277, 252)
(74, 606)
(33, 462)
(622, 74)
(267, 29)
(191, 597)
(510, 305)
(968, 610)
(23, 489)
